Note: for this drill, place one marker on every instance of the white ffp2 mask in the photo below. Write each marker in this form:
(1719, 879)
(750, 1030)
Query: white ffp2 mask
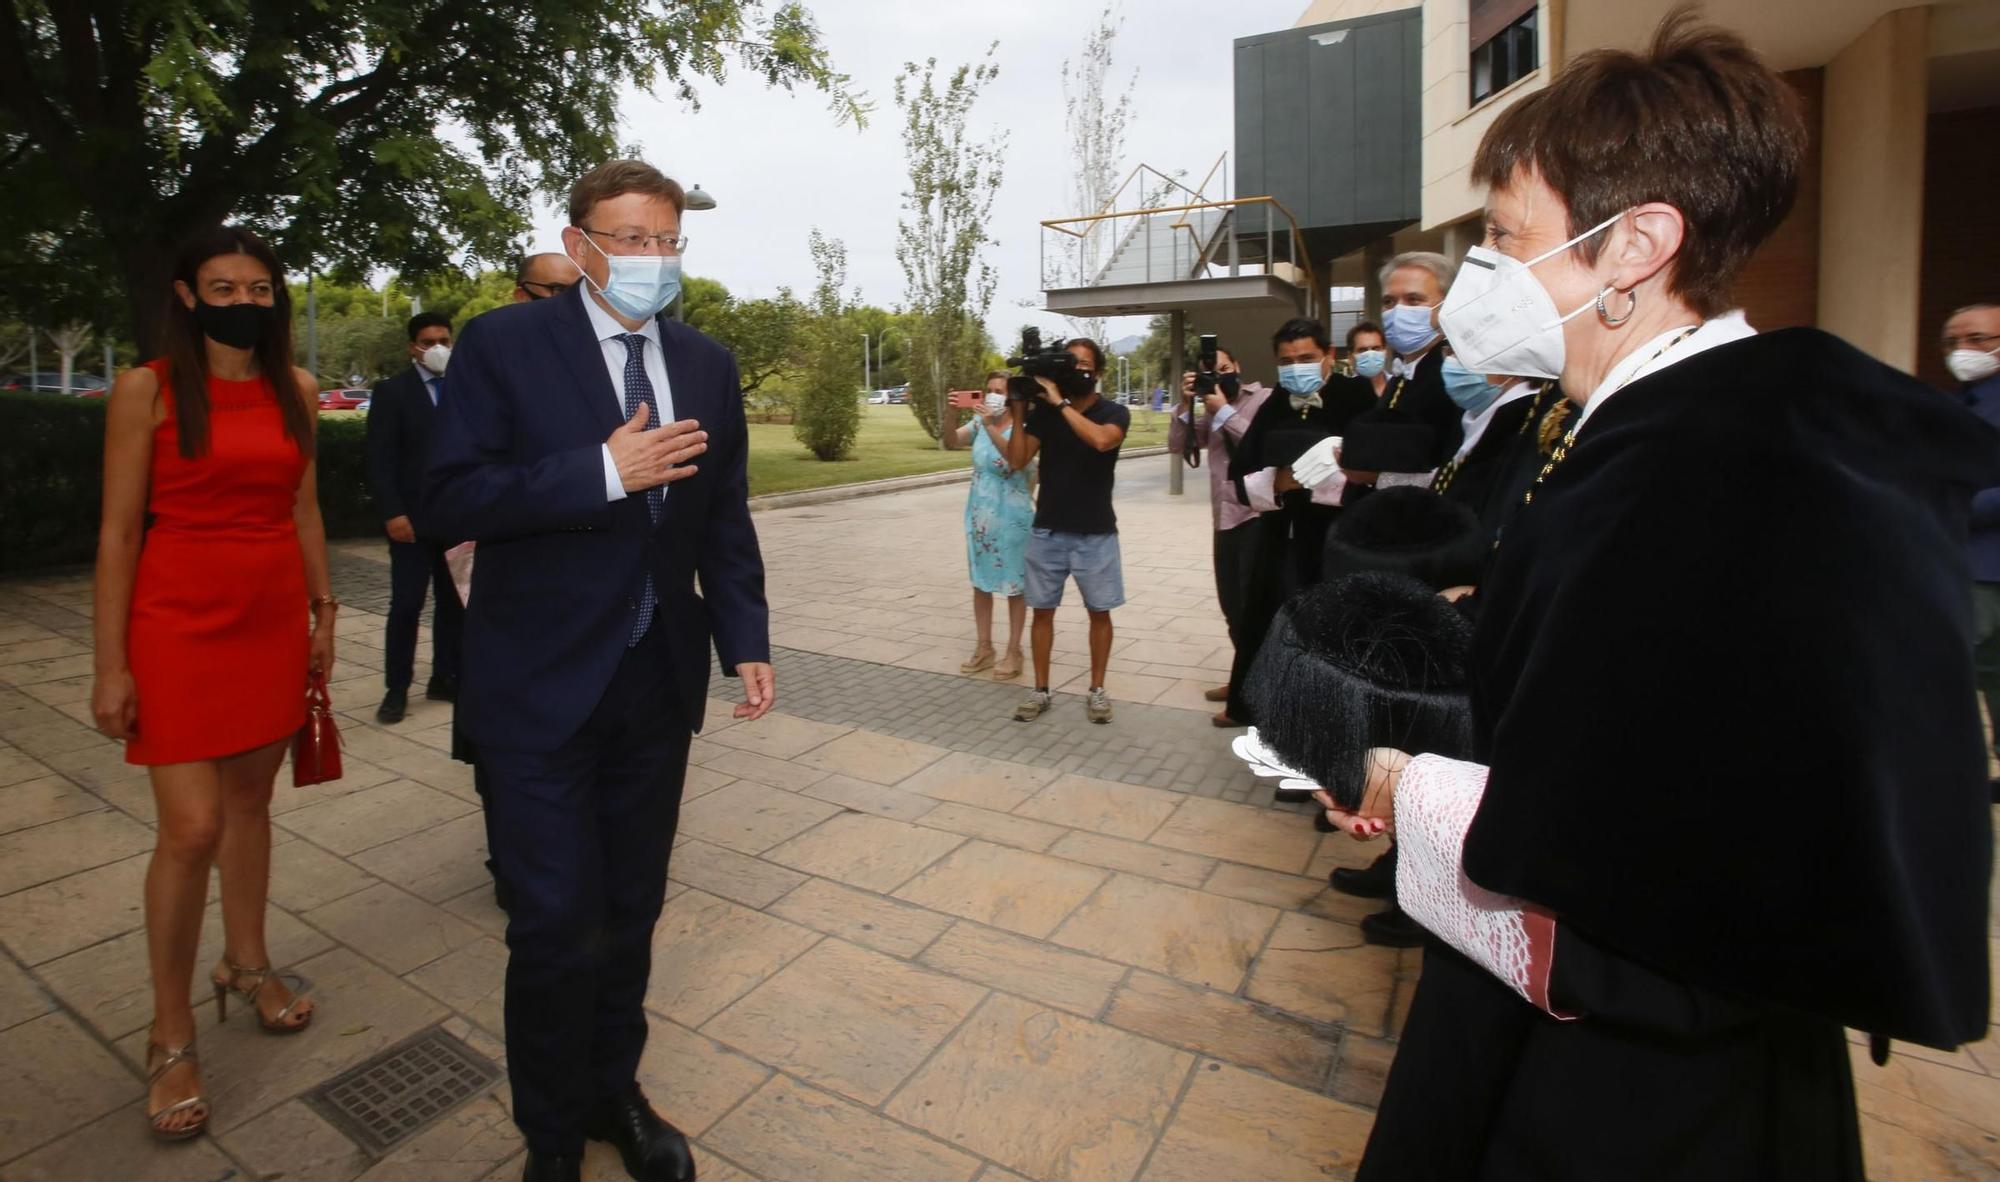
(1500, 319)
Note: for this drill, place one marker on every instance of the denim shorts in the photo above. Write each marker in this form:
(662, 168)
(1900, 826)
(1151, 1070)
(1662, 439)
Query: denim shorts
(1054, 556)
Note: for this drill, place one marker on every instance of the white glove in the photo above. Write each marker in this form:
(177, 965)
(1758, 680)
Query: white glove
(1265, 762)
(1319, 464)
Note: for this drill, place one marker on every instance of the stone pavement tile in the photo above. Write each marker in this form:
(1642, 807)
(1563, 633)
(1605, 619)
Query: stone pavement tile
(356, 775)
(434, 864)
(1007, 888)
(21, 998)
(700, 781)
(1123, 687)
(1907, 1140)
(1338, 849)
(61, 848)
(109, 984)
(940, 658)
(778, 735)
(739, 877)
(707, 952)
(1238, 833)
(788, 1132)
(751, 818)
(1233, 1124)
(1187, 693)
(304, 876)
(1225, 1027)
(1203, 939)
(1102, 806)
(1164, 651)
(1288, 892)
(866, 755)
(1116, 853)
(56, 1079)
(885, 650)
(718, 714)
(1973, 1098)
(17, 766)
(478, 908)
(1046, 1093)
(865, 796)
(349, 824)
(866, 851)
(392, 927)
(44, 922)
(860, 917)
(1054, 976)
(761, 769)
(56, 734)
(977, 780)
(461, 1146)
(1363, 1069)
(846, 1019)
(692, 1080)
(42, 800)
(1319, 969)
(470, 980)
(1002, 828)
(118, 1145)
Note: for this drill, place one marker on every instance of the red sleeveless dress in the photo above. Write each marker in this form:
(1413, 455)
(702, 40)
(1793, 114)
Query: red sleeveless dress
(220, 621)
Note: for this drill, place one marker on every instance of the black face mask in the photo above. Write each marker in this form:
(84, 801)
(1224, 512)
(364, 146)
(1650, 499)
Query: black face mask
(240, 326)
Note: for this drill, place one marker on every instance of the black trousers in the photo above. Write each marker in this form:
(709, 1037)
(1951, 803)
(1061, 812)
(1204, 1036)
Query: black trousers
(581, 836)
(1284, 549)
(1232, 558)
(414, 568)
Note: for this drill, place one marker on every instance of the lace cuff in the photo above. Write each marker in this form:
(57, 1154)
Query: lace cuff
(1515, 941)
(1258, 486)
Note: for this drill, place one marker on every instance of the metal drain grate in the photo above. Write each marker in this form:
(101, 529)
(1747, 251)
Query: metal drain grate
(394, 1095)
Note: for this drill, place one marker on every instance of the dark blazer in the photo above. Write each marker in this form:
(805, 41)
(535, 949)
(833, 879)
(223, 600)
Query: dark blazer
(400, 417)
(517, 466)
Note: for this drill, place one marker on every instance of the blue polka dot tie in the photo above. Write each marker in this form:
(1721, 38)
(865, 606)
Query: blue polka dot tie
(639, 392)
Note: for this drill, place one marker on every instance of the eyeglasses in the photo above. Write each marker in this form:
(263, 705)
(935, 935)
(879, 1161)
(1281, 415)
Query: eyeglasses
(551, 289)
(1982, 341)
(630, 241)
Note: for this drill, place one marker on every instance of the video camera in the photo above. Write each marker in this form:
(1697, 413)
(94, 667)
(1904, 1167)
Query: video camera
(1038, 361)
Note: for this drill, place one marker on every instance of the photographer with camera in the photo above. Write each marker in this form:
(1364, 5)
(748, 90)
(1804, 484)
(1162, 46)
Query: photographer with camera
(1058, 414)
(1216, 408)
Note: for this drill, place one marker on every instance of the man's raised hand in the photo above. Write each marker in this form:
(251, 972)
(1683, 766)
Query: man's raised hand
(648, 459)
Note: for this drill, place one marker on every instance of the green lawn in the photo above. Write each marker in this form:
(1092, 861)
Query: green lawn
(891, 444)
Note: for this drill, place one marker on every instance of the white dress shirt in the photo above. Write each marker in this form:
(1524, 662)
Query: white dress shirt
(608, 333)
(1725, 329)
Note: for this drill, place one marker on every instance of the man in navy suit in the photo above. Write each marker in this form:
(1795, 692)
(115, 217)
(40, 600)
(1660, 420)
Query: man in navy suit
(596, 452)
(400, 416)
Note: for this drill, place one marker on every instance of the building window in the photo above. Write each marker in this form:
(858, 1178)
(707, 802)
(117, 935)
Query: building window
(1506, 52)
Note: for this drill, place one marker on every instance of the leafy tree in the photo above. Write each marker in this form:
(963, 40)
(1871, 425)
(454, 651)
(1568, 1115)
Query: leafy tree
(764, 336)
(1095, 130)
(953, 179)
(365, 345)
(702, 301)
(127, 125)
(827, 408)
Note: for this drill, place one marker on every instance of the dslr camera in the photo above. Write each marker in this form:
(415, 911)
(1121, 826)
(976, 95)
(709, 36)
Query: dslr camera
(1039, 361)
(1206, 380)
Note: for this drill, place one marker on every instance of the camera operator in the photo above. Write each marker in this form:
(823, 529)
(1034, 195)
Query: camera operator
(1217, 419)
(1077, 433)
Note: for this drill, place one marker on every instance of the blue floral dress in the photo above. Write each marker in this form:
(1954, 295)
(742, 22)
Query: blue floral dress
(998, 514)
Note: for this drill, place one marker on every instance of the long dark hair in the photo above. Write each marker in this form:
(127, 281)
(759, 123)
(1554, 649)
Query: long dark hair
(187, 355)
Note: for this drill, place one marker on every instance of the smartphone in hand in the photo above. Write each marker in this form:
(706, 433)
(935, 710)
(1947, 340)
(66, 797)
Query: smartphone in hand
(967, 399)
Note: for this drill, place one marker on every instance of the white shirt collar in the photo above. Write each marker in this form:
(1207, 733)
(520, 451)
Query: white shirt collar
(606, 328)
(1476, 422)
(1725, 329)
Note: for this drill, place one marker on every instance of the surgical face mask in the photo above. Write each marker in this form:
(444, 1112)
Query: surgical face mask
(1407, 328)
(240, 326)
(1471, 391)
(1302, 379)
(995, 403)
(1500, 318)
(1370, 362)
(640, 286)
(1972, 365)
(435, 358)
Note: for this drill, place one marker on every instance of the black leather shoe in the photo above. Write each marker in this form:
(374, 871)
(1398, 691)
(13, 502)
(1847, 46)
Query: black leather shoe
(442, 689)
(1392, 929)
(1378, 881)
(543, 1167)
(653, 1150)
(394, 704)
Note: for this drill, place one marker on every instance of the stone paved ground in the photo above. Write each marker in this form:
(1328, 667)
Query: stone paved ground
(906, 939)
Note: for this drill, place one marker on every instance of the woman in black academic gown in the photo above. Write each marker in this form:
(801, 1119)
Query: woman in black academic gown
(1729, 793)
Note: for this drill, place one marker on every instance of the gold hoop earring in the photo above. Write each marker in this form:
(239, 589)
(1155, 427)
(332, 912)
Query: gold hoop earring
(1604, 313)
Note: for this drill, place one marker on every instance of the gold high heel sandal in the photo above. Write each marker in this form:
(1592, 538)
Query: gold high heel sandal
(168, 1059)
(1009, 666)
(982, 659)
(249, 983)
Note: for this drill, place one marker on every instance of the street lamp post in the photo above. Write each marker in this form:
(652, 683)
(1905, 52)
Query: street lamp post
(867, 370)
(695, 198)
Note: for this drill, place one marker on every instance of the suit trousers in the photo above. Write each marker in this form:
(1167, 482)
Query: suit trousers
(581, 836)
(413, 568)
(1232, 560)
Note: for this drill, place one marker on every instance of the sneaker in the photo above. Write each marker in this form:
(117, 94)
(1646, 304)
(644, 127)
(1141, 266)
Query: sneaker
(1031, 707)
(1098, 704)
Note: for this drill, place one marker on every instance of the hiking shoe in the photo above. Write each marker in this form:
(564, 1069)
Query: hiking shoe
(1031, 707)
(1098, 704)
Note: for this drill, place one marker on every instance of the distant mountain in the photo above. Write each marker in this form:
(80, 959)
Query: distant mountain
(1125, 346)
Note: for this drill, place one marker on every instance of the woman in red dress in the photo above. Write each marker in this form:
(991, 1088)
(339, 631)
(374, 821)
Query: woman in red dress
(212, 603)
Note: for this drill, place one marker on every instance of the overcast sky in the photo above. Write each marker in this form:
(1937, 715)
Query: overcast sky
(777, 165)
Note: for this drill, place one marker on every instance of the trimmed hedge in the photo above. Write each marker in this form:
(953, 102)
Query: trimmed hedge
(51, 479)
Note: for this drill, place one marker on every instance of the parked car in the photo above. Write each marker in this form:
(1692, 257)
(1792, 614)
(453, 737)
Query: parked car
(48, 381)
(878, 398)
(345, 398)
(898, 395)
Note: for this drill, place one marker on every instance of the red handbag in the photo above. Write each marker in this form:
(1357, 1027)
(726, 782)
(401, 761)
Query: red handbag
(316, 749)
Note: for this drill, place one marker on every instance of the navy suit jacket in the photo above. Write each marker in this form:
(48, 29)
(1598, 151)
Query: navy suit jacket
(400, 417)
(517, 465)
